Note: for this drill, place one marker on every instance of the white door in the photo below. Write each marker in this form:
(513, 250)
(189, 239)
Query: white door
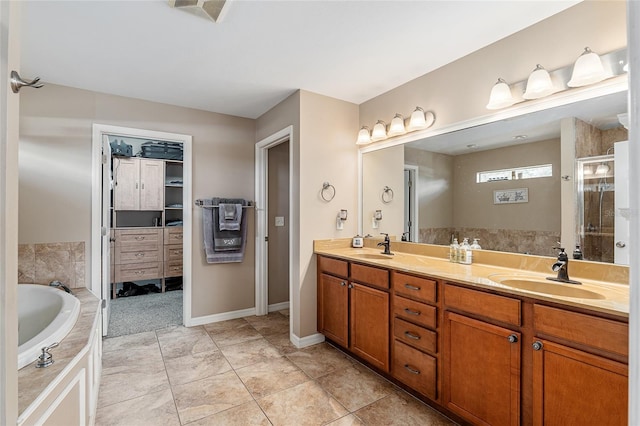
(105, 231)
(622, 212)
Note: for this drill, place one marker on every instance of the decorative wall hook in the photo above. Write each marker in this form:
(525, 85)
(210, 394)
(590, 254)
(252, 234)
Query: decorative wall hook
(17, 82)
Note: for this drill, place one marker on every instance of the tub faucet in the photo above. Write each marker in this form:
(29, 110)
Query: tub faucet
(56, 283)
(561, 266)
(386, 243)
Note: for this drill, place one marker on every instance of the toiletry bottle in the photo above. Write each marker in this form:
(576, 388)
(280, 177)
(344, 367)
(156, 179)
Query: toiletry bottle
(577, 253)
(475, 245)
(465, 252)
(453, 251)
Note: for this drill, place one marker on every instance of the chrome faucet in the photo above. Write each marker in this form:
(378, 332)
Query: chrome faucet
(562, 268)
(386, 243)
(56, 283)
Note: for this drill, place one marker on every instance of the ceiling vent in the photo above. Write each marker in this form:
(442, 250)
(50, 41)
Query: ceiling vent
(212, 9)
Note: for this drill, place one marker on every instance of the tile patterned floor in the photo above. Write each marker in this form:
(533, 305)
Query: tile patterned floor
(244, 372)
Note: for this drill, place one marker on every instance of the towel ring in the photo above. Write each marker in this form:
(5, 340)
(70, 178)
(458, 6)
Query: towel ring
(387, 195)
(325, 187)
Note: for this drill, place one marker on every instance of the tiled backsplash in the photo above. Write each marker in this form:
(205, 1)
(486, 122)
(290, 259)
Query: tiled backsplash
(42, 263)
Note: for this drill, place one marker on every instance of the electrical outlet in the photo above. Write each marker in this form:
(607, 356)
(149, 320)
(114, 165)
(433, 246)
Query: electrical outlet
(279, 221)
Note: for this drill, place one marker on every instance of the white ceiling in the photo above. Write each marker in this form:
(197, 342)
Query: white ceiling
(262, 51)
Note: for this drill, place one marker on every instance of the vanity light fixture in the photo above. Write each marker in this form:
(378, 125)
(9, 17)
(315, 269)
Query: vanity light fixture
(539, 84)
(501, 96)
(364, 136)
(397, 126)
(587, 70)
(379, 131)
(420, 119)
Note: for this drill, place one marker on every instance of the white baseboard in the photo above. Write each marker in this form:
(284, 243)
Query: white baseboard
(278, 306)
(208, 319)
(303, 342)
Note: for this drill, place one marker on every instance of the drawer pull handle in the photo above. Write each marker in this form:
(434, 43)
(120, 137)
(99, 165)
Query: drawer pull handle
(139, 254)
(178, 252)
(410, 335)
(139, 238)
(179, 237)
(411, 369)
(412, 287)
(411, 312)
(176, 268)
(512, 338)
(139, 272)
(537, 345)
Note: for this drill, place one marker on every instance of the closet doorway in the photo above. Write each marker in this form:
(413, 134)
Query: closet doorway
(275, 225)
(141, 228)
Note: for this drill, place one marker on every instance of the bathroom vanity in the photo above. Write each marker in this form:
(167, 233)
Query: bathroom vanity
(476, 341)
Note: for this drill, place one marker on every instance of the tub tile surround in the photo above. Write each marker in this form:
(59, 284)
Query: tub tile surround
(432, 260)
(32, 381)
(261, 384)
(42, 263)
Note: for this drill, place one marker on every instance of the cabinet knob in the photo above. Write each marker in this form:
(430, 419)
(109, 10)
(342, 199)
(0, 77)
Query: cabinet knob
(537, 345)
(512, 338)
(412, 287)
(342, 284)
(620, 244)
(350, 286)
(411, 369)
(139, 238)
(410, 335)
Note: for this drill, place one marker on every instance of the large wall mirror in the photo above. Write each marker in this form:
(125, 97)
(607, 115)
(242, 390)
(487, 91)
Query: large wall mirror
(518, 185)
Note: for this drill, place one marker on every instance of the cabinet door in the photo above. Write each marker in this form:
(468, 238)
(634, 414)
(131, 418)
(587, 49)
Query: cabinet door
(126, 195)
(370, 325)
(151, 185)
(572, 387)
(482, 371)
(333, 309)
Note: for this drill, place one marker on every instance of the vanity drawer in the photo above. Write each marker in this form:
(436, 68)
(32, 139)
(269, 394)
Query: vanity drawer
(370, 275)
(416, 312)
(415, 369)
(173, 252)
(173, 268)
(332, 266)
(499, 308)
(416, 336)
(600, 333)
(133, 240)
(414, 287)
(138, 271)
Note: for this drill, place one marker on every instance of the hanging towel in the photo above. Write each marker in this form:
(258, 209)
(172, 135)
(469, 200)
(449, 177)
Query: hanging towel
(222, 246)
(229, 216)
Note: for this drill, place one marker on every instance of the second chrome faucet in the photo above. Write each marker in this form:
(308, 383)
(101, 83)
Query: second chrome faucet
(562, 268)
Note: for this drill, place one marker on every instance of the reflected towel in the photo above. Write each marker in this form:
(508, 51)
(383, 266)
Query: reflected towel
(229, 216)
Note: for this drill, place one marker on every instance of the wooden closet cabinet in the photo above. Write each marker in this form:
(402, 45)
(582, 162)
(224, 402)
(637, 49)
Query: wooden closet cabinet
(138, 184)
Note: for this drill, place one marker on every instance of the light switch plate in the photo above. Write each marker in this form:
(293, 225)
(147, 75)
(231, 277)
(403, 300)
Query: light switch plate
(279, 221)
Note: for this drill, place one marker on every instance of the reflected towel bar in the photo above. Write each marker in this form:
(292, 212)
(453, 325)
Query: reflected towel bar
(200, 203)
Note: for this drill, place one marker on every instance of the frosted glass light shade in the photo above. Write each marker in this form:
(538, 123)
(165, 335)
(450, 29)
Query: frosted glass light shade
(417, 120)
(397, 126)
(501, 96)
(587, 70)
(379, 131)
(364, 137)
(539, 84)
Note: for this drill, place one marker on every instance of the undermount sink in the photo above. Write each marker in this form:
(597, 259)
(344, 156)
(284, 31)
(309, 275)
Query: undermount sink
(374, 256)
(546, 287)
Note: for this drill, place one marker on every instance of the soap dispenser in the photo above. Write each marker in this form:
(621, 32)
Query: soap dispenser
(466, 255)
(577, 253)
(453, 251)
(475, 245)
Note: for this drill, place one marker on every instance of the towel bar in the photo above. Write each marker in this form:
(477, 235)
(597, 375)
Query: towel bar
(200, 203)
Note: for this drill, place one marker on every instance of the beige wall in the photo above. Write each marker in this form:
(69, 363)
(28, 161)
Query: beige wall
(379, 169)
(435, 187)
(278, 181)
(55, 175)
(460, 90)
(473, 202)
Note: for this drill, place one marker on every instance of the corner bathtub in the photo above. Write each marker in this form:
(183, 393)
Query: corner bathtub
(45, 316)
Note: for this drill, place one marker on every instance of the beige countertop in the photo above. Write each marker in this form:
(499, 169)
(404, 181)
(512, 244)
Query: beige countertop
(614, 297)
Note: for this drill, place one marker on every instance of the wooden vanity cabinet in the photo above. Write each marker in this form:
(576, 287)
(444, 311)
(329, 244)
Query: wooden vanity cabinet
(579, 384)
(482, 359)
(353, 308)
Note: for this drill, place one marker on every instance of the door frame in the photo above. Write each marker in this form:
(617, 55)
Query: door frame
(413, 196)
(99, 130)
(262, 226)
